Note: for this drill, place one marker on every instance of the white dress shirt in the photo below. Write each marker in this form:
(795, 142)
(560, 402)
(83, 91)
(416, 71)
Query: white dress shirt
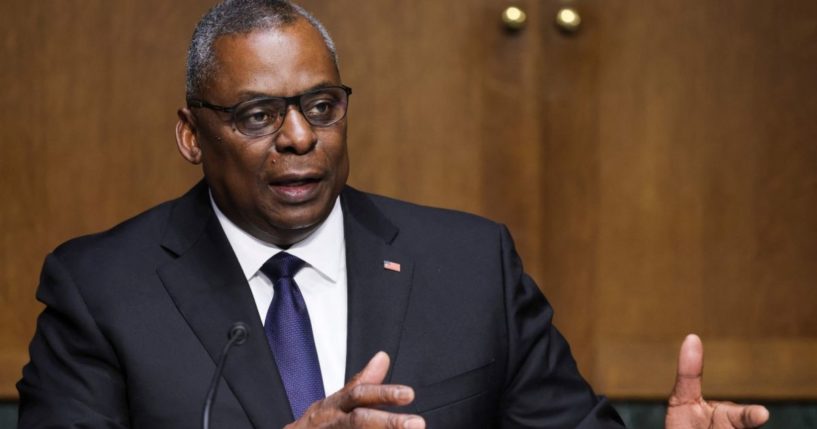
(322, 282)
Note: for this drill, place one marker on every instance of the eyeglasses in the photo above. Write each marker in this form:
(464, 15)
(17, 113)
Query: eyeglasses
(265, 115)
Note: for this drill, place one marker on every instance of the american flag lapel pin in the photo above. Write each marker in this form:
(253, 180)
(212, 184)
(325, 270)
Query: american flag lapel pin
(391, 266)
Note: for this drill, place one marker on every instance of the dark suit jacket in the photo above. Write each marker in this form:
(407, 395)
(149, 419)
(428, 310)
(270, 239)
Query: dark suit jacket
(136, 317)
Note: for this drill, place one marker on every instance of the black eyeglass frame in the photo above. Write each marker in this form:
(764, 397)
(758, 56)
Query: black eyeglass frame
(288, 101)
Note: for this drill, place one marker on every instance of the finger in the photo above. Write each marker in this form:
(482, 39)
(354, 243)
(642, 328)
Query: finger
(365, 388)
(370, 395)
(367, 418)
(746, 416)
(690, 372)
(374, 372)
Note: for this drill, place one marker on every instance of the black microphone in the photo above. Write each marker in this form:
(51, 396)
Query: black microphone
(238, 335)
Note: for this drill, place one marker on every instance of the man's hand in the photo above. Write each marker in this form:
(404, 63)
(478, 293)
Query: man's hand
(355, 405)
(687, 407)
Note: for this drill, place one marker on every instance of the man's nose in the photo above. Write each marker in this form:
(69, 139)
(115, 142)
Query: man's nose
(296, 134)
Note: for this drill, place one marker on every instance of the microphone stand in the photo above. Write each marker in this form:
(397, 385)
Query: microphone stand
(237, 336)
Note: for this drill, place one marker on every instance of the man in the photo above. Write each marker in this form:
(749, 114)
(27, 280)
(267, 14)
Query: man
(429, 307)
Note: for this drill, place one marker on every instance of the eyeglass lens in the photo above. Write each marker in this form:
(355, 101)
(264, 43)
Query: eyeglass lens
(264, 116)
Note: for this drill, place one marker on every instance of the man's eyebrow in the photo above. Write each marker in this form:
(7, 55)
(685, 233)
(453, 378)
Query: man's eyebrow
(250, 95)
(324, 84)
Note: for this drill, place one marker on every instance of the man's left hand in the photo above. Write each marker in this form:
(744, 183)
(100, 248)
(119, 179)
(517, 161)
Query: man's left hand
(687, 407)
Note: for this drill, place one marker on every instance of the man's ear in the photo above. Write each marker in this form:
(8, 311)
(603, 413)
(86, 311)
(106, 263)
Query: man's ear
(187, 136)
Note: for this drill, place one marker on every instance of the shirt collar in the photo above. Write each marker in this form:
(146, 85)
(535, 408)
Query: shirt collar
(322, 249)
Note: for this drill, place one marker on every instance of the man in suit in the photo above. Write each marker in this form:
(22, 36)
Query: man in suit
(430, 308)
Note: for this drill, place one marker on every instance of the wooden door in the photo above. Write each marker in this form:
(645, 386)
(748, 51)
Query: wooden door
(657, 168)
(707, 193)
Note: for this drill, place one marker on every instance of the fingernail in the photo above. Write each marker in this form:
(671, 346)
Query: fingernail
(404, 394)
(414, 423)
(379, 355)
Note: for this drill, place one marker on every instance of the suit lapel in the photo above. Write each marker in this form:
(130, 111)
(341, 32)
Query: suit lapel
(210, 291)
(378, 297)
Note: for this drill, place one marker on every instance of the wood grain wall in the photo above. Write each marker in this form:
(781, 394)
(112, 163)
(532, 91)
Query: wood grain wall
(87, 110)
(657, 169)
(706, 194)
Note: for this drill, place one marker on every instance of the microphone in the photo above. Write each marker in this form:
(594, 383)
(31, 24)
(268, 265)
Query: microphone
(236, 336)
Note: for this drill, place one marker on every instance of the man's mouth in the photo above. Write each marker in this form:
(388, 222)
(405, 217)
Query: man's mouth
(295, 189)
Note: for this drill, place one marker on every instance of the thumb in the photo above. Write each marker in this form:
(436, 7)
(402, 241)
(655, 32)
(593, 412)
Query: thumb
(690, 372)
(374, 372)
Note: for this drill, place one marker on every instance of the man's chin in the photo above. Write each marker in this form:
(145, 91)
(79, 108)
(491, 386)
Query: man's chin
(288, 231)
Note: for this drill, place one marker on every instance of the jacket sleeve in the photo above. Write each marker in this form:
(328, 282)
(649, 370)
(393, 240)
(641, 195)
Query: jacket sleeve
(73, 378)
(543, 386)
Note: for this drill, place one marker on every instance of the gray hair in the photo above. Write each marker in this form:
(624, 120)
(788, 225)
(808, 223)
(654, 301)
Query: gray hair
(241, 17)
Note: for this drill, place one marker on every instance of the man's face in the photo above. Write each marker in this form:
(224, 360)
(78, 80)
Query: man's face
(279, 187)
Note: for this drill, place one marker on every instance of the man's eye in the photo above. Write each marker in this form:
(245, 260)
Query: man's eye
(255, 119)
(319, 109)
(258, 117)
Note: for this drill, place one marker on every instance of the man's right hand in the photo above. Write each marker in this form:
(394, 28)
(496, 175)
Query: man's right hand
(355, 406)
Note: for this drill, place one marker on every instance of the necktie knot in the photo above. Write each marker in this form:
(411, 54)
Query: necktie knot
(283, 265)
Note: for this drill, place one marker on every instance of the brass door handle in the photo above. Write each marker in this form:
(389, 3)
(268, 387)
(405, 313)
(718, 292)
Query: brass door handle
(514, 18)
(568, 20)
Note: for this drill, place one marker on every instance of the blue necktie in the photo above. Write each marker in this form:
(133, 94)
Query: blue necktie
(289, 333)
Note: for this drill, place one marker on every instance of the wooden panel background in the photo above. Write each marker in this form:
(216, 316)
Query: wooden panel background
(708, 193)
(657, 169)
(87, 110)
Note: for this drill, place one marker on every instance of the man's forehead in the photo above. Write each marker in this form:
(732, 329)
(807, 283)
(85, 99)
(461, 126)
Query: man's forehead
(288, 58)
(284, 39)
